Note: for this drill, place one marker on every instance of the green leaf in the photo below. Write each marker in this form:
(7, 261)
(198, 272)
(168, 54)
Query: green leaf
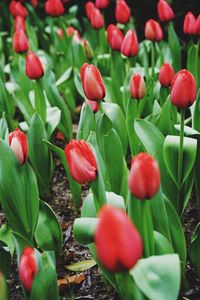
(3, 288)
(196, 113)
(48, 233)
(193, 63)
(195, 249)
(66, 75)
(5, 259)
(162, 245)
(78, 84)
(86, 122)
(84, 230)
(80, 266)
(7, 237)
(175, 47)
(171, 156)
(53, 119)
(156, 278)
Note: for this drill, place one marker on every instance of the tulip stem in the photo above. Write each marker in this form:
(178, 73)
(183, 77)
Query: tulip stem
(137, 115)
(98, 191)
(152, 60)
(180, 158)
(40, 102)
(101, 109)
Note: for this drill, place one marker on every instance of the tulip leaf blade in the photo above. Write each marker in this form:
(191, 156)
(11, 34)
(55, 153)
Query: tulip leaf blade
(195, 249)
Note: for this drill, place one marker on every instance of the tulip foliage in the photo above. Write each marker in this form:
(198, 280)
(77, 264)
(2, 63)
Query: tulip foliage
(136, 149)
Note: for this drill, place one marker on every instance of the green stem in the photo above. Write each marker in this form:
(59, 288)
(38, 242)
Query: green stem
(137, 114)
(152, 59)
(99, 193)
(180, 158)
(101, 109)
(40, 102)
(127, 287)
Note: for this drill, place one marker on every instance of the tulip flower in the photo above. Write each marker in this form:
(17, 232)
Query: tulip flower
(153, 31)
(93, 105)
(19, 23)
(20, 41)
(165, 11)
(137, 87)
(166, 75)
(144, 178)
(115, 37)
(34, 3)
(122, 12)
(17, 9)
(97, 20)
(34, 68)
(118, 243)
(81, 161)
(28, 268)
(101, 4)
(92, 82)
(183, 89)
(88, 50)
(129, 45)
(88, 8)
(189, 25)
(197, 27)
(19, 145)
(54, 8)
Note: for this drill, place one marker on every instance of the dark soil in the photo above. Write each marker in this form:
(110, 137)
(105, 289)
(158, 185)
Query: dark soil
(93, 287)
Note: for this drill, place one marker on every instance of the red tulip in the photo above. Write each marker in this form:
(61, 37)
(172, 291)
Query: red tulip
(89, 7)
(122, 12)
(97, 20)
(129, 45)
(54, 8)
(19, 145)
(118, 243)
(81, 161)
(34, 3)
(115, 37)
(189, 24)
(34, 68)
(28, 268)
(17, 9)
(92, 82)
(165, 11)
(137, 87)
(166, 75)
(71, 31)
(20, 41)
(93, 105)
(153, 31)
(19, 23)
(144, 178)
(101, 4)
(183, 89)
(60, 136)
(197, 27)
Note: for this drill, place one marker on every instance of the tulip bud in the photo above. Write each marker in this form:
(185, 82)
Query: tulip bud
(88, 50)
(60, 33)
(137, 87)
(34, 3)
(115, 37)
(118, 243)
(129, 45)
(88, 8)
(122, 12)
(92, 82)
(71, 31)
(183, 89)
(54, 8)
(97, 20)
(153, 31)
(165, 11)
(189, 24)
(17, 9)
(101, 4)
(19, 145)
(19, 23)
(81, 161)
(93, 105)
(27, 268)
(34, 68)
(20, 41)
(197, 27)
(144, 178)
(166, 75)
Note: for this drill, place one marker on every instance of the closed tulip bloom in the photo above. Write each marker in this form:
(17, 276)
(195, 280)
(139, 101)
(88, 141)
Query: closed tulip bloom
(115, 37)
(101, 4)
(89, 53)
(97, 20)
(88, 8)
(28, 268)
(118, 243)
(189, 25)
(165, 11)
(122, 12)
(166, 75)
(71, 31)
(183, 89)
(137, 86)
(34, 3)
(93, 105)
(144, 178)
(19, 23)
(20, 41)
(34, 68)
(92, 82)
(153, 31)
(197, 27)
(17, 9)
(81, 161)
(19, 145)
(54, 8)
(129, 45)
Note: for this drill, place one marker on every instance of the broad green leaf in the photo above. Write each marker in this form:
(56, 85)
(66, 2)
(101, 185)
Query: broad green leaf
(3, 288)
(86, 123)
(5, 259)
(196, 113)
(193, 63)
(156, 277)
(53, 119)
(66, 75)
(175, 47)
(81, 266)
(7, 237)
(48, 233)
(84, 230)
(77, 81)
(162, 245)
(195, 249)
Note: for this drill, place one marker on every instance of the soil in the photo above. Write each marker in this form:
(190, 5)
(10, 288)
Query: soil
(93, 287)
